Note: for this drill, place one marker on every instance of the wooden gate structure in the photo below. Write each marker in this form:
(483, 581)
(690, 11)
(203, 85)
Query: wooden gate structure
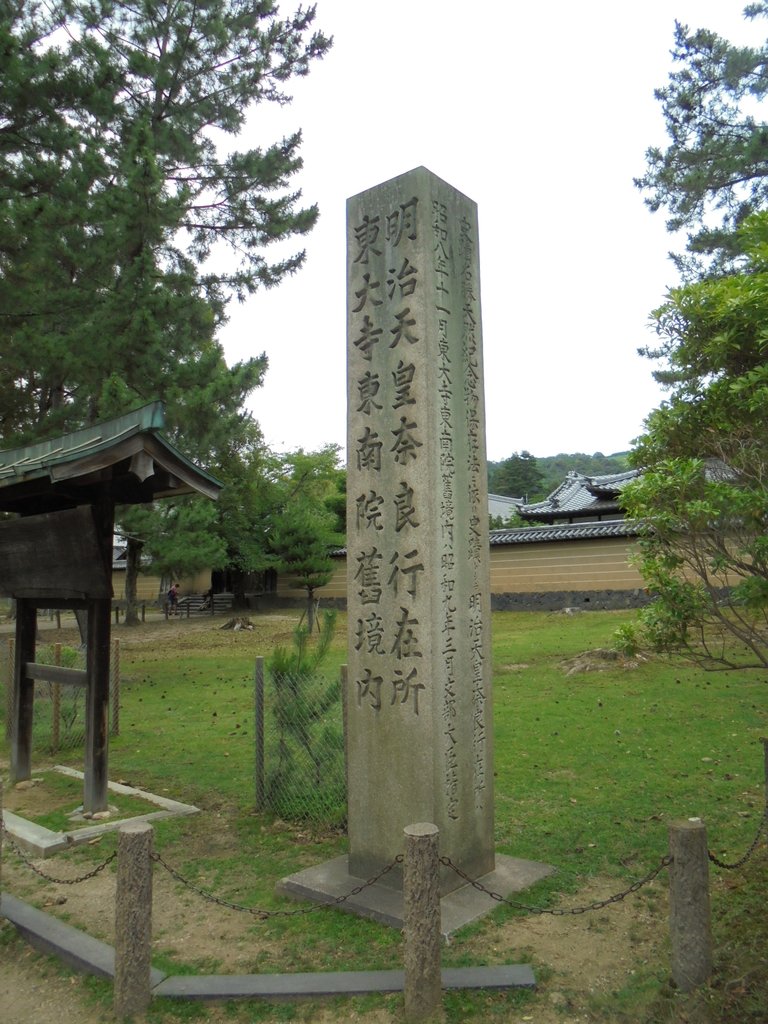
(57, 553)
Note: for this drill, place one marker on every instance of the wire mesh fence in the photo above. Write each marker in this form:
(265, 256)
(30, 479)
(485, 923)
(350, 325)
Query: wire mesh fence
(300, 772)
(59, 708)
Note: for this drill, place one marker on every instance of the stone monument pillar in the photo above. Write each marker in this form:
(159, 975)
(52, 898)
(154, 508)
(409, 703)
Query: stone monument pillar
(419, 662)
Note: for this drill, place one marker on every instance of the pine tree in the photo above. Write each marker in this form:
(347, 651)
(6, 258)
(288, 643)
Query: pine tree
(128, 219)
(714, 172)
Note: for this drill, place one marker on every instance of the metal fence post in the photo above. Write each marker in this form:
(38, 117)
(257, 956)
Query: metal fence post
(421, 898)
(258, 733)
(133, 920)
(689, 910)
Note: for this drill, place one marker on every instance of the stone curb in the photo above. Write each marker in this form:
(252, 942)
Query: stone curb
(42, 842)
(334, 983)
(53, 937)
(83, 953)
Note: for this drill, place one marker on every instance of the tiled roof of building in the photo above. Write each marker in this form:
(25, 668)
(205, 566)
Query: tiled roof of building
(567, 531)
(501, 505)
(580, 496)
(558, 532)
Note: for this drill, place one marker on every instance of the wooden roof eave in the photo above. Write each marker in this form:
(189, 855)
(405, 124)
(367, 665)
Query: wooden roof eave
(125, 460)
(147, 453)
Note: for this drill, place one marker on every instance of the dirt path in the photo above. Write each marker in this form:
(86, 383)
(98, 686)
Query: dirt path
(34, 990)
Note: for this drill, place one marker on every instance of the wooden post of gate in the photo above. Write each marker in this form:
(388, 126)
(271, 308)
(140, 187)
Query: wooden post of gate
(764, 741)
(421, 899)
(23, 691)
(133, 920)
(97, 707)
(689, 911)
(9, 688)
(114, 688)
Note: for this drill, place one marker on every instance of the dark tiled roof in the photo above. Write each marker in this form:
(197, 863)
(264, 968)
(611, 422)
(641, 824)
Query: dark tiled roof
(567, 531)
(611, 484)
(581, 496)
(563, 531)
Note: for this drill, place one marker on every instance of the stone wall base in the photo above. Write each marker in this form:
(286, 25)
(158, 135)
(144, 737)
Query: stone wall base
(553, 601)
(559, 600)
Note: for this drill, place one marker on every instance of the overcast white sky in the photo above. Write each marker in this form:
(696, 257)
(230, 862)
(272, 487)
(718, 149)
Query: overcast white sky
(541, 113)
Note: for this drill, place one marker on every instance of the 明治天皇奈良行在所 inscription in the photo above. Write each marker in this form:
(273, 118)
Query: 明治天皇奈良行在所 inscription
(418, 698)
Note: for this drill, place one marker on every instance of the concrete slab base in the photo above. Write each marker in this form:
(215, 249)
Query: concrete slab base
(38, 841)
(326, 882)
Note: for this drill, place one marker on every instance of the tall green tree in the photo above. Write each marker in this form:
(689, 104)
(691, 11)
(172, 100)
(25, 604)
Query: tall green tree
(301, 542)
(517, 477)
(714, 171)
(128, 219)
(703, 494)
(114, 208)
(304, 523)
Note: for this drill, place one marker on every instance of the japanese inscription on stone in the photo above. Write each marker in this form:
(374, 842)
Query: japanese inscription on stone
(417, 542)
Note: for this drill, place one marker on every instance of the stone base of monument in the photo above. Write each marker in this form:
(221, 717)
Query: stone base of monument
(326, 882)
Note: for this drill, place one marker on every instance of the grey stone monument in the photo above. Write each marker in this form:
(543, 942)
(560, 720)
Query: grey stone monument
(419, 662)
(418, 680)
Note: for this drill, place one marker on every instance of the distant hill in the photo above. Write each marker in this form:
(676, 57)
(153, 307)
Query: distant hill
(551, 470)
(555, 467)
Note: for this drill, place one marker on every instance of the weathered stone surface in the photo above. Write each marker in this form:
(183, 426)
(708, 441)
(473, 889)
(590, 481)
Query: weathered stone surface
(421, 894)
(419, 687)
(133, 919)
(29, 783)
(690, 927)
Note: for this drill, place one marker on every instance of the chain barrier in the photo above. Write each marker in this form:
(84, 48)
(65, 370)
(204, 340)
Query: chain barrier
(762, 829)
(7, 841)
(561, 911)
(264, 915)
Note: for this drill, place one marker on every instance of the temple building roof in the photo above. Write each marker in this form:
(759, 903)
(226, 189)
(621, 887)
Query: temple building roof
(580, 498)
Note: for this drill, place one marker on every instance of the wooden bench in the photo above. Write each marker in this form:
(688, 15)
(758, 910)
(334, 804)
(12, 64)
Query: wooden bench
(198, 603)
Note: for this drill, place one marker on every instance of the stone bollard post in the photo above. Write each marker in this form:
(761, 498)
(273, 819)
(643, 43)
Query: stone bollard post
(133, 920)
(421, 898)
(689, 912)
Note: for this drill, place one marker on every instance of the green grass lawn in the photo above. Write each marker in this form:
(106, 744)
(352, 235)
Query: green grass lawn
(590, 769)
